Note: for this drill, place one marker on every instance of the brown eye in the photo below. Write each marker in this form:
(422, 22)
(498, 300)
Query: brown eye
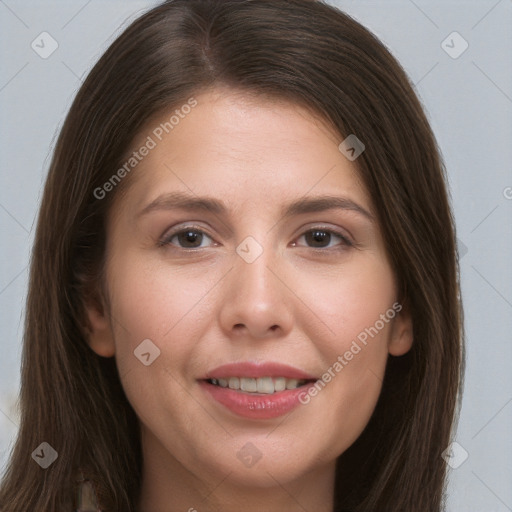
(324, 238)
(318, 238)
(188, 238)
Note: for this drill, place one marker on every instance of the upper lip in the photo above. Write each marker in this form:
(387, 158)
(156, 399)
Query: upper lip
(255, 370)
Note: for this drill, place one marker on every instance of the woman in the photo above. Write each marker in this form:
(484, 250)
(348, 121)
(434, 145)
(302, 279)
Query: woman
(244, 286)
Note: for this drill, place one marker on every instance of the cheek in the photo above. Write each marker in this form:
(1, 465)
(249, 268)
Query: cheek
(154, 300)
(175, 308)
(160, 305)
(349, 301)
(356, 312)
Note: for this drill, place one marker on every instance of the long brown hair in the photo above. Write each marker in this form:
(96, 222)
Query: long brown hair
(303, 51)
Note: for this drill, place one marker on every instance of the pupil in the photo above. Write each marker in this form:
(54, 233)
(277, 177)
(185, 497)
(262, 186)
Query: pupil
(189, 238)
(317, 236)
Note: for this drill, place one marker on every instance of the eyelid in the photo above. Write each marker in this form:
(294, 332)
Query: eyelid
(343, 232)
(180, 228)
(347, 241)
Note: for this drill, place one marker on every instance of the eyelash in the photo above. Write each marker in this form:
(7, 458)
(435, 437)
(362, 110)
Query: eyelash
(345, 242)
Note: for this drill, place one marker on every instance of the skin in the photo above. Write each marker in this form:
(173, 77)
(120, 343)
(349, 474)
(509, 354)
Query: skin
(298, 303)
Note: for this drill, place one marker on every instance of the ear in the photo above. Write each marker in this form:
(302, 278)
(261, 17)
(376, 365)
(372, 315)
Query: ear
(401, 338)
(100, 336)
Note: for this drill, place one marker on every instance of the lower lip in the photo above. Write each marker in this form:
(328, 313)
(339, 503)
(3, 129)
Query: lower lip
(255, 406)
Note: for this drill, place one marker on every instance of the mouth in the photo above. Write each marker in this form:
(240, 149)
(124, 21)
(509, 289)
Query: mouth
(260, 385)
(257, 391)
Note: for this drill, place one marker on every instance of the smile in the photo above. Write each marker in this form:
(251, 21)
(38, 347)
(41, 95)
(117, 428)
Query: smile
(261, 385)
(257, 391)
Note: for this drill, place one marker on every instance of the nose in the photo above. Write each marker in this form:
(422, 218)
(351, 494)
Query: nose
(256, 301)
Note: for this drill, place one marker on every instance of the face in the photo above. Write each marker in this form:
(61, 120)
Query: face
(247, 252)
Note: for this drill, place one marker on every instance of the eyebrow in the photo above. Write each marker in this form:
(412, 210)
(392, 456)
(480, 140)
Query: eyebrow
(180, 200)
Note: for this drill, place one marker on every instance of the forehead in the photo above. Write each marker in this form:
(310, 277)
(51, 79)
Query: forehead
(242, 148)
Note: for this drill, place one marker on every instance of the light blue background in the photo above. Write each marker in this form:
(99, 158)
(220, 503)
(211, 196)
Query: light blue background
(469, 104)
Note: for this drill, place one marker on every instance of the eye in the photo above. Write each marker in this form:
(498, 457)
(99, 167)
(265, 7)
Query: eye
(321, 238)
(189, 237)
(192, 237)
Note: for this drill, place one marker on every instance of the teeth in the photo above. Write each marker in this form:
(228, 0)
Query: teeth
(262, 385)
(292, 383)
(234, 383)
(265, 385)
(280, 384)
(249, 385)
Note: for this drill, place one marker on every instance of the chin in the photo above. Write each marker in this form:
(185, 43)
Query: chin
(260, 464)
